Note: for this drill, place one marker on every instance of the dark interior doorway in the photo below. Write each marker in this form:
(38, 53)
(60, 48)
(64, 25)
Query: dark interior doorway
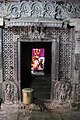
(40, 83)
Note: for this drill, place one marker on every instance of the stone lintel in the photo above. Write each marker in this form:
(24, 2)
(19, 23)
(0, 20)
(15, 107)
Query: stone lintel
(75, 22)
(33, 21)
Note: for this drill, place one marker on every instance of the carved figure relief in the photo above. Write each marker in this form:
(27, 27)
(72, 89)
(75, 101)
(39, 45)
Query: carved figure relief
(30, 31)
(77, 67)
(77, 61)
(25, 9)
(4, 9)
(36, 9)
(50, 10)
(77, 92)
(39, 9)
(59, 13)
(63, 91)
(57, 90)
(42, 33)
(15, 12)
(36, 33)
(10, 90)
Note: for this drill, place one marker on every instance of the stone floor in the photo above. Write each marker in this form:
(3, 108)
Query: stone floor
(37, 112)
(19, 112)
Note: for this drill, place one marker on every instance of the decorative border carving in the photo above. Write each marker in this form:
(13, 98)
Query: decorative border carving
(45, 9)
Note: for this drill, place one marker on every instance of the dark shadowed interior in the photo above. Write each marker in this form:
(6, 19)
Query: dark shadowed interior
(41, 83)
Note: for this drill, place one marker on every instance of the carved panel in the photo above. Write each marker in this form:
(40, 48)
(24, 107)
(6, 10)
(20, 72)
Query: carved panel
(65, 55)
(76, 92)
(8, 54)
(77, 61)
(62, 91)
(25, 9)
(10, 92)
(45, 9)
(36, 9)
(49, 10)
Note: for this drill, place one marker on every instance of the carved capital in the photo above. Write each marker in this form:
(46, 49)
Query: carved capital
(75, 22)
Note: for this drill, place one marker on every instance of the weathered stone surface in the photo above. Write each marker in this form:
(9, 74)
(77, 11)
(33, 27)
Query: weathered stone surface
(38, 115)
(52, 9)
(10, 92)
(60, 32)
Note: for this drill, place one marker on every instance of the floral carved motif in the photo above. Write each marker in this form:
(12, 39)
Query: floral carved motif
(40, 9)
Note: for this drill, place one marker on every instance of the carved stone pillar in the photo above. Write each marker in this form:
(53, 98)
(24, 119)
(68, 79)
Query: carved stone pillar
(63, 87)
(75, 100)
(1, 76)
(9, 78)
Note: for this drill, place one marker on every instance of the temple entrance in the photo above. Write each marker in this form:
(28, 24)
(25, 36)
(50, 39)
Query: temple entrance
(35, 67)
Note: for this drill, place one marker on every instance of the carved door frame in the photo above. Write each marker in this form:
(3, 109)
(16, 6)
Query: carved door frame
(12, 43)
(54, 60)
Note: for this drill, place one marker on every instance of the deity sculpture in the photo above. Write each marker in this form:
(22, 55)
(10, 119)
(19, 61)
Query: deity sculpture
(9, 93)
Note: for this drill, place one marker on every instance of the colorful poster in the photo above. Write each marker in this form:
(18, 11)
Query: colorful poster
(38, 59)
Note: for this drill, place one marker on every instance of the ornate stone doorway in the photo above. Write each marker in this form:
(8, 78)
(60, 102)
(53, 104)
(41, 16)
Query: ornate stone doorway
(61, 42)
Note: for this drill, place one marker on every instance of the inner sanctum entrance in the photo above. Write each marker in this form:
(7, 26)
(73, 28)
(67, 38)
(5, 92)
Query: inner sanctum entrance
(35, 67)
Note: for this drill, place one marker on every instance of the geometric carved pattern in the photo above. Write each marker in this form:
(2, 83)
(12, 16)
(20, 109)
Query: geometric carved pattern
(65, 55)
(7, 54)
(10, 51)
